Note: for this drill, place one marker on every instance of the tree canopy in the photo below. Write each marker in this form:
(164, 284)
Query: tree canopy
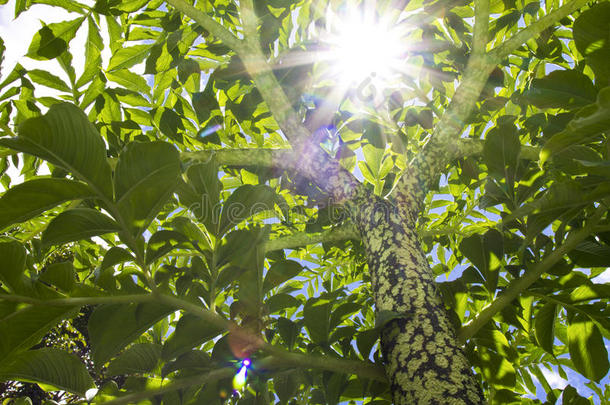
(308, 202)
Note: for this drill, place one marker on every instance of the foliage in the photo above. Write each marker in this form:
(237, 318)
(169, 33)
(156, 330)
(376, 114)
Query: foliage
(200, 240)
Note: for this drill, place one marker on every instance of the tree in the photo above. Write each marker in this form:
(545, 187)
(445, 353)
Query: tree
(487, 162)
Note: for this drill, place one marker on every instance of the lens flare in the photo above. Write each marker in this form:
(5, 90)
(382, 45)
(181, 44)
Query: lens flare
(239, 381)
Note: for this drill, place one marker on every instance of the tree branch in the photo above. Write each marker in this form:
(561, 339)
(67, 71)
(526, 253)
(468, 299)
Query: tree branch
(207, 22)
(280, 158)
(414, 183)
(282, 358)
(529, 277)
(480, 35)
(365, 369)
(343, 232)
(502, 51)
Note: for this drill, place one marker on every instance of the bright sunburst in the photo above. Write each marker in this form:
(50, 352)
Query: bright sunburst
(363, 46)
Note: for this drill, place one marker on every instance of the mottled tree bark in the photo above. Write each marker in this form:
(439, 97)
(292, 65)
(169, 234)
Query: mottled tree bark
(423, 361)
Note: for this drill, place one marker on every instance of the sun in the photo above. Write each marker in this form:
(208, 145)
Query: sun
(362, 46)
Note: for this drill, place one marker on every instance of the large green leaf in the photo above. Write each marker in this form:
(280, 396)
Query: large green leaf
(49, 80)
(545, 326)
(501, 149)
(145, 176)
(561, 89)
(12, 265)
(496, 369)
(59, 274)
(76, 224)
(587, 123)
(590, 253)
(66, 138)
(93, 53)
(114, 326)
(591, 33)
(280, 272)
(49, 366)
(587, 349)
(129, 56)
(53, 39)
(26, 200)
(245, 202)
(190, 331)
(22, 329)
(139, 358)
(163, 242)
(116, 255)
(316, 314)
(204, 193)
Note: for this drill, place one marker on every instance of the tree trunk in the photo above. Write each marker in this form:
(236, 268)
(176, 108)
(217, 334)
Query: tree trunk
(423, 361)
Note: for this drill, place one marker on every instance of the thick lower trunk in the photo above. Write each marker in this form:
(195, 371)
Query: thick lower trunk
(423, 360)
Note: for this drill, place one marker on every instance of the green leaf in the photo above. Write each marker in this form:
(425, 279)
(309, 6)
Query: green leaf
(145, 176)
(24, 328)
(129, 56)
(194, 359)
(384, 316)
(49, 366)
(26, 200)
(114, 326)
(342, 312)
(132, 5)
(561, 89)
(496, 369)
(189, 229)
(163, 242)
(501, 149)
(12, 257)
(590, 253)
(66, 138)
(129, 80)
(570, 397)
(60, 275)
(191, 331)
(205, 193)
(591, 33)
(544, 324)
(69, 5)
(286, 385)
(280, 272)
(93, 53)
(53, 39)
(240, 247)
(116, 255)
(245, 202)
(587, 123)
(77, 224)
(587, 349)
(280, 302)
(137, 359)
(49, 80)
(316, 314)
(289, 331)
